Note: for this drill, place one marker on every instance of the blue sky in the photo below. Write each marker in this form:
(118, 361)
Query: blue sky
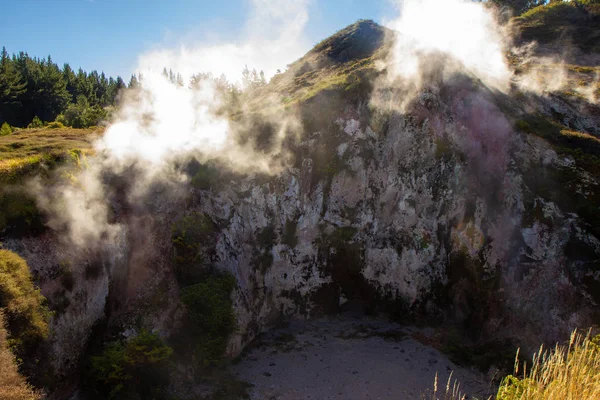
(109, 35)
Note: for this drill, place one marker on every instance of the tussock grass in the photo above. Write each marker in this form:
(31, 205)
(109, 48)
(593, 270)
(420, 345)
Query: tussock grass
(567, 372)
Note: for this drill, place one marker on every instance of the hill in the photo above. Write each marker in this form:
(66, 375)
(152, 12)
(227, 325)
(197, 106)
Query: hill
(468, 209)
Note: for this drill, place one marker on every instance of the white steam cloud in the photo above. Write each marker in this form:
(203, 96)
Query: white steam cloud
(162, 122)
(274, 36)
(466, 31)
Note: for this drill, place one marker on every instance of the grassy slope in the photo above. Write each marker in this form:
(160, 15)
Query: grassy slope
(26, 149)
(559, 21)
(341, 63)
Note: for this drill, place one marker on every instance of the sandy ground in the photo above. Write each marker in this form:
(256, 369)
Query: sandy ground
(347, 359)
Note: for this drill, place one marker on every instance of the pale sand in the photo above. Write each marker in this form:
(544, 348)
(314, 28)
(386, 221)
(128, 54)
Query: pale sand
(345, 359)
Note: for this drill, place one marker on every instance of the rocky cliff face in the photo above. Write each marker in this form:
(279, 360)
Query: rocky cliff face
(453, 211)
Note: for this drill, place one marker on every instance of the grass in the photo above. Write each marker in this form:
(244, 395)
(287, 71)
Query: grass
(555, 21)
(339, 64)
(568, 372)
(561, 137)
(13, 385)
(26, 149)
(25, 310)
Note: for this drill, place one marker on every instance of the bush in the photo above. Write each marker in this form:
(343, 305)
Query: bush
(81, 115)
(138, 366)
(211, 316)
(12, 385)
(6, 129)
(55, 125)
(193, 236)
(568, 372)
(25, 308)
(36, 123)
(206, 177)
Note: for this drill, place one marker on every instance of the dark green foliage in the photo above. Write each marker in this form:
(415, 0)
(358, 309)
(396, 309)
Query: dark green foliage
(194, 237)
(136, 368)
(33, 87)
(204, 176)
(211, 317)
(289, 234)
(82, 115)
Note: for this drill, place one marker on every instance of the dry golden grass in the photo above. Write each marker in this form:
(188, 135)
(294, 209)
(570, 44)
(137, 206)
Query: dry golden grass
(26, 143)
(569, 372)
(12, 385)
(451, 391)
(26, 149)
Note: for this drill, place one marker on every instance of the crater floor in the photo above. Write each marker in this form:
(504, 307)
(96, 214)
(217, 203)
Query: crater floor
(350, 358)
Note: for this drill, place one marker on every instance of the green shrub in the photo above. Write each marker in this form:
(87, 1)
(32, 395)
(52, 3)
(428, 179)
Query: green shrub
(82, 115)
(137, 366)
(24, 306)
(206, 177)
(211, 316)
(6, 129)
(36, 123)
(193, 235)
(55, 125)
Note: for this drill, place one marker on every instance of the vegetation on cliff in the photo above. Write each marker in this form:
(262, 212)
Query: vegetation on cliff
(13, 386)
(25, 311)
(134, 368)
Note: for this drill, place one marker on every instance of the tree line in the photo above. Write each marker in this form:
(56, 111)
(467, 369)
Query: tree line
(38, 89)
(35, 91)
